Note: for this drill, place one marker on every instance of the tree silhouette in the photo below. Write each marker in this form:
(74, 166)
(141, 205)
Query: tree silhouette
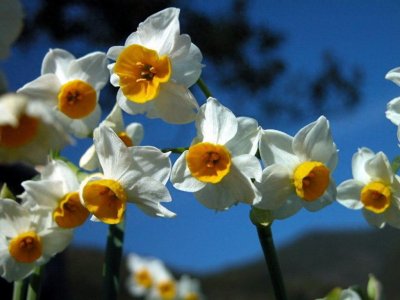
(241, 58)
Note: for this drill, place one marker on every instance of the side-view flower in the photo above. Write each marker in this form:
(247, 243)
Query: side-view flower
(298, 169)
(374, 189)
(155, 68)
(136, 174)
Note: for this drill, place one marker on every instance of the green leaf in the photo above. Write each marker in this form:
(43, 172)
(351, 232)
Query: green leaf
(396, 164)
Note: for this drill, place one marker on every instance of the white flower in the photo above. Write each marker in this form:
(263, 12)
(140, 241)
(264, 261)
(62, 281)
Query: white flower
(28, 130)
(135, 174)
(72, 87)
(11, 23)
(131, 135)
(189, 288)
(146, 273)
(58, 191)
(164, 286)
(26, 241)
(155, 68)
(298, 169)
(374, 189)
(218, 167)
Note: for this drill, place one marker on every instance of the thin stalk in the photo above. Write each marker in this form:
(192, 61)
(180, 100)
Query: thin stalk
(112, 261)
(204, 88)
(19, 290)
(35, 284)
(271, 258)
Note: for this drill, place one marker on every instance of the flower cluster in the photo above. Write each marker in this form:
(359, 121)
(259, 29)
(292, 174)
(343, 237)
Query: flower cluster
(151, 279)
(230, 160)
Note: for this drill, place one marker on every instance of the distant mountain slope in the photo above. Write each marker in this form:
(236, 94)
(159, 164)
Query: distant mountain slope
(311, 266)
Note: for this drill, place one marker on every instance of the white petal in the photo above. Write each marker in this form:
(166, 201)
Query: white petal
(392, 214)
(349, 193)
(91, 68)
(11, 270)
(114, 52)
(181, 177)
(14, 218)
(151, 162)
(45, 193)
(394, 75)
(379, 168)
(358, 163)
(136, 132)
(314, 142)
(291, 206)
(249, 165)
(276, 148)
(275, 187)
(393, 111)
(114, 120)
(133, 38)
(174, 104)
(147, 194)
(216, 123)
(57, 170)
(55, 241)
(44, 88)
(115, 158)
(232, 189)
(158, 31)
(57, 61)
(131, 107)
(247, 137)
(186, 61)
(377, 220)
(89, 160)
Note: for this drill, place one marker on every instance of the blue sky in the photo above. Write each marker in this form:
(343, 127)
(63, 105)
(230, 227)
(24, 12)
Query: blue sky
(363, 33)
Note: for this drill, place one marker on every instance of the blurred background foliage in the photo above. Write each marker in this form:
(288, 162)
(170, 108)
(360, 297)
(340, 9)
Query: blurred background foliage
(242, 58)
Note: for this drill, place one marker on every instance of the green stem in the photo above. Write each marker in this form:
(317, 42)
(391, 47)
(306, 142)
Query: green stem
(179, 150)
(35, 284)
(204, 88)
(271, 258)
(19, 290)
(112, 261)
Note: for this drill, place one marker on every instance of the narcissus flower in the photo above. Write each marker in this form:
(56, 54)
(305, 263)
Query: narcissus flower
(218, 166)
(71, 86)
(26, 240)
(135, 174)
(143, 274)
(131, 135)
(189, 288)
(298, 169)
(374, 189)
(28, 130)
(155, 68)
(58, 191)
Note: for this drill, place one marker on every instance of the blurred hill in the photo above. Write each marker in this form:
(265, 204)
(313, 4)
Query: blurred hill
(311, 266)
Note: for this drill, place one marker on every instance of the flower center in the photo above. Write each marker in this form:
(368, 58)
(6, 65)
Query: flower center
(70, 212)
(167, 290)
(141, 71)
(208, 162)
(125, 138)
(143, 278)
(26, 247)
(191, 296)
(106, 199)
(311, 179)
(376, 197)
(20, 135)
(77, 99)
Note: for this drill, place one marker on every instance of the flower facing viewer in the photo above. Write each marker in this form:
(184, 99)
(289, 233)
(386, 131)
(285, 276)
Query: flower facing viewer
(71, 86)
(218, 166)
(298, 169)
(27, 240)
(374, 189)
(155, 68)
(136, 174)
